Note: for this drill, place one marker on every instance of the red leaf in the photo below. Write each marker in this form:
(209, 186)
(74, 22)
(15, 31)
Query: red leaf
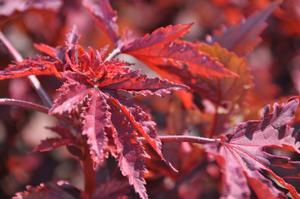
(89, 81)
(144, 119)
(51, 190)
(135, 83)
(106, 16)
(160, 48)
(130, 150)
(50, 144)
(245, 157)
(157, 38)
(71, 96)
(48, 50)
(110, 78)
(8, 7)
(242, 38)
(37, 66)
(96, 119)
(155, 144)
(187, 56)
(59, 53)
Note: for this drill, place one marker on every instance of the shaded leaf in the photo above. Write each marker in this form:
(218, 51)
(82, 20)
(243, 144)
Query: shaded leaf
(227, 94)
(51, 190)
(229, 91)
(105, 16)
(242, 38)
(111, 189)
(50, 144)
(8, 7)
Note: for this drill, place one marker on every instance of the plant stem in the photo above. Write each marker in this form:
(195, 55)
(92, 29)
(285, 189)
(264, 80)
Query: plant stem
(114, 53)
(89, 172)
(32, 78)
(188, 138)
(24, 104)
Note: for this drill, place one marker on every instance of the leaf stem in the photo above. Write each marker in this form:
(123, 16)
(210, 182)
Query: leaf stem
(24, 104)
(32, 78)
(114, 53)
(188, 138)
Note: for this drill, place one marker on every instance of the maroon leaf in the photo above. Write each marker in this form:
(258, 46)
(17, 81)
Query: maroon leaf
(157, 38)
(96, 119)
(50, 144)
(130, 151)
(48, 50)
(37, 66)
(111, 189)
(242, 38)
(144, 119)
(71, 96)
(51, 190)
(160, 48)
(135, 83)
(106, 16)
(9, 6)
(109, 77)
(187, 56)
(154, 143)
(245, 156)
(92, 93)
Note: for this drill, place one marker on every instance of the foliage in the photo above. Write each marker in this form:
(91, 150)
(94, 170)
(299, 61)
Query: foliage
(109, 108)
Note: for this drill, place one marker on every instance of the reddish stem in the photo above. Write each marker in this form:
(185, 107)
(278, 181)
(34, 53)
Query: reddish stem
(89, 172)
(24, 104)
(32, 78)
(188, 138)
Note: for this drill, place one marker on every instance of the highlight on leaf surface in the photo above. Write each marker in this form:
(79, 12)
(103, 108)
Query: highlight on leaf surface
(163, 49)
(247, 156)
